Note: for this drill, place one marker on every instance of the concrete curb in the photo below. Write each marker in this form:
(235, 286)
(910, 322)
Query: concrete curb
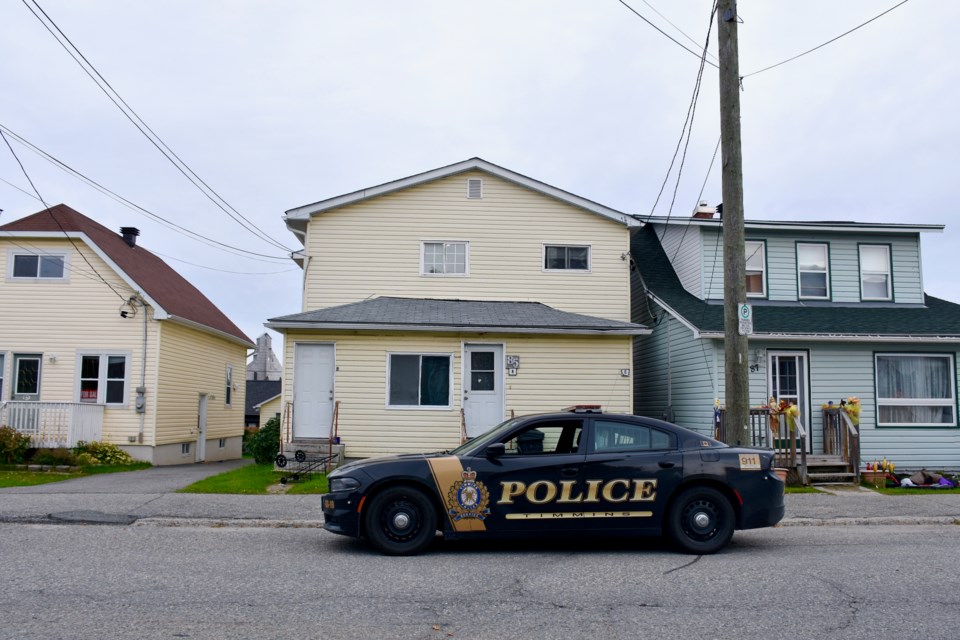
(217, 523)
(877, 521)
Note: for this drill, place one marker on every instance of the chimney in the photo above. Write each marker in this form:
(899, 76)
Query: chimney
(704, 211)
(130, 235)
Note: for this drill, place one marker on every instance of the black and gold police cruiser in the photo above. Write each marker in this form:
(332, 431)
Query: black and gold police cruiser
(562, 474)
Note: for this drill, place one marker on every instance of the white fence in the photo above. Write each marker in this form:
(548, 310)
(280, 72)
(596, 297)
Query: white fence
(54, 424)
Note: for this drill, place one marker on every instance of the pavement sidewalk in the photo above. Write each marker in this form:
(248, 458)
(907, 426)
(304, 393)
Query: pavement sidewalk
(148, 497)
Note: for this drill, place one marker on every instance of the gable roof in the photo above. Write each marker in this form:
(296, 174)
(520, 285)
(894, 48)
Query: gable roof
(260, 391)
(797, 225)
(935, 320)
(172, 296)
(423, 314)
(297, 218)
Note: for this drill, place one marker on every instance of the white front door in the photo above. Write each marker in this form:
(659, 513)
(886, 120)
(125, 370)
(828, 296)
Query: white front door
(313, 390)
(202, 428)
(788, 381)
(482, 387)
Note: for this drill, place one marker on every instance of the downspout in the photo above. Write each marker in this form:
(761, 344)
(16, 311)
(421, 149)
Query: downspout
(142, 389)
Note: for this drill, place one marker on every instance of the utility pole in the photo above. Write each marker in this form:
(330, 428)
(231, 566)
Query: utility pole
(736, 354)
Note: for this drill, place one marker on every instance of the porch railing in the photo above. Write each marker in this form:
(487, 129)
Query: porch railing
(54, 424)
(842, 438)
(789, 452)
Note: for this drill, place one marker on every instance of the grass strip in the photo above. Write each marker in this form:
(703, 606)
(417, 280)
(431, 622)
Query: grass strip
(254, 479)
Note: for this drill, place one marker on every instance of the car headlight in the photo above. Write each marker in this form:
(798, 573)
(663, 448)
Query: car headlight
(343, 484)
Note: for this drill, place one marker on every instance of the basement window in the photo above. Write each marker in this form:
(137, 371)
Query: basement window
(185, 448)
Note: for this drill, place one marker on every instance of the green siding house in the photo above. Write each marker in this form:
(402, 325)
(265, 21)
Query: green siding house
(838, 311)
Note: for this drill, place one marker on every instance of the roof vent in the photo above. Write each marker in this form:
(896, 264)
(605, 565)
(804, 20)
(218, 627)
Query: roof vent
(474, 188)
(704, 211)
(130, 235)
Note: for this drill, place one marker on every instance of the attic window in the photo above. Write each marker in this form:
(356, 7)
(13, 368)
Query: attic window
(474, 188)
(32, 266)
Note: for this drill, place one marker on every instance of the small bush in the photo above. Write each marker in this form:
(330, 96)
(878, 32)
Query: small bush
(265, 443)
(104, 452)
(248, 434)
(58, 456)
(86, 460)
(13, 446)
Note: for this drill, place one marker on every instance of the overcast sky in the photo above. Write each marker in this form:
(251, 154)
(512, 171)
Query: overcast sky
(280, 103)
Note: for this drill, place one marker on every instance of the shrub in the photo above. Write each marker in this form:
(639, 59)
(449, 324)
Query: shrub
(248, 434)
(86, 460)
(13, 446)
(104, 452)
(58, 456)
(265, 443)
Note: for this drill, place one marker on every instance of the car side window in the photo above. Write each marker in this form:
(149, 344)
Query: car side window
(545, 438)
(622, 436)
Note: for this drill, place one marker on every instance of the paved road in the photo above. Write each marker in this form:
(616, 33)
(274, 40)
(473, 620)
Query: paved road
(73, 581)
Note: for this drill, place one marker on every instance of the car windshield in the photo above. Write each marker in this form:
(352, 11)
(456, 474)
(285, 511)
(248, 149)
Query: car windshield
(481, 441)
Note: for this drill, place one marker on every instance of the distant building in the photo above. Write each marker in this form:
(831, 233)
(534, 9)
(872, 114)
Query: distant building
(264, 365)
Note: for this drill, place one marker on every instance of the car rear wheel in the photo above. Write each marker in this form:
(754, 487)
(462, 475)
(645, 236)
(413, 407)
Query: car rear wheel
(701, 521)
(401, 521)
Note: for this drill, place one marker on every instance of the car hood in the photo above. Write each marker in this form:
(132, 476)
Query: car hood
(369, 463)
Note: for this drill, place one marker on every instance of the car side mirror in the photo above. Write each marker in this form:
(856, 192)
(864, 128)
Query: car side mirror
(496, 450)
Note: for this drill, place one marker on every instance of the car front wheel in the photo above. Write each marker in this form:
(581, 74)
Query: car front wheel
(401, 521)
(701, 521)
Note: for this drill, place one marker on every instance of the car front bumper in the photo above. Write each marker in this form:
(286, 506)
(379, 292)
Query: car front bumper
(341, 513)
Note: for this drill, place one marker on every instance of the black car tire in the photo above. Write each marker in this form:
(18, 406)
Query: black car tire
(701, 521)
(400, 521)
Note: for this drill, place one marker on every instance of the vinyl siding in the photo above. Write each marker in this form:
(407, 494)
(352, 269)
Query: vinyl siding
(674, 370)
(841, 370)
(62, 319)
(372, 248)
(844, 263)
(555, 372)
(193, 362)
(269, 410)
(682, 246)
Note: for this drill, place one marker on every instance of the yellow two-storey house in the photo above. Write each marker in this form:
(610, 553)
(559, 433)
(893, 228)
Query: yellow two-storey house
(101, 340)
(437, 305)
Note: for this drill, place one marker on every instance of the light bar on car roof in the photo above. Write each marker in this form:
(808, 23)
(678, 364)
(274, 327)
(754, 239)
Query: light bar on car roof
(584, 408)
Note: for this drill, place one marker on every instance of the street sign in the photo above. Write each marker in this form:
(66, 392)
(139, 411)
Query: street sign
(745, 315)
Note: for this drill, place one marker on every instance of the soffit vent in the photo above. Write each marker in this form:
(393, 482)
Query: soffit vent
(474, 188)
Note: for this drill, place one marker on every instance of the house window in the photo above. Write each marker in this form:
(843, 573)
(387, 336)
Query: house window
(916, 389)
(444, 258)
(419, 380)
(756, 268)
(32, 266)
(566, 257)
(222, 443)
(813, 271)
(228, 395)
(875, 272)
(185, 448)
(103, 379)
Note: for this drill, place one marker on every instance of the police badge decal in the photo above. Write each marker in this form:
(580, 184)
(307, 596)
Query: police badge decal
(468, 498)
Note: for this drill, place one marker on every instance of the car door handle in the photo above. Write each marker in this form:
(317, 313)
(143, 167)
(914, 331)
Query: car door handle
(569, 472)
(666, 464)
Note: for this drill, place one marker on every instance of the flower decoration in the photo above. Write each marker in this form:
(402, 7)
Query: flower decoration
(852, 408)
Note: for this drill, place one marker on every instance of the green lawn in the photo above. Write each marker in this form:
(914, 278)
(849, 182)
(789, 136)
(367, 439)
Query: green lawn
(803, 490)
(10, 477)
(253, 479)
(903, 491)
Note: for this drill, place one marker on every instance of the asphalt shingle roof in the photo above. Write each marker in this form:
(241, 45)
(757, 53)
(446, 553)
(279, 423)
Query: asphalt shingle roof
(260, 390)
(157, 279)
(419, 314)
(935, 319)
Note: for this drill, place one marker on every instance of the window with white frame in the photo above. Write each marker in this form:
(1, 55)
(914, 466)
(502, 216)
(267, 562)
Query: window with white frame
(228, 395)
(34, 266)
(418, 380)
(103, 378)
(444, 258)
(916, 389)
(558, 257)
(813, 271)
(756, 268)
(875, 281)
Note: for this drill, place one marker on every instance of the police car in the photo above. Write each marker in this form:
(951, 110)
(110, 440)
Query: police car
(571, 473)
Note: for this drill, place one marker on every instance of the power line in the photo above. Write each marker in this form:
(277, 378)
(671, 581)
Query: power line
(193, 235)
(682, 32)
(702, 187)
(664, 33)
(202, 266)
(144, 128)
(54, 216)
(820, 46)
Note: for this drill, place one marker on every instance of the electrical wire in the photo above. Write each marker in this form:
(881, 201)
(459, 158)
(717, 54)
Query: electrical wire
(203, 266)
(682, 32)
(820, 46)
(144, 128)
(193, 235)
(664, 33)
(55, 219)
